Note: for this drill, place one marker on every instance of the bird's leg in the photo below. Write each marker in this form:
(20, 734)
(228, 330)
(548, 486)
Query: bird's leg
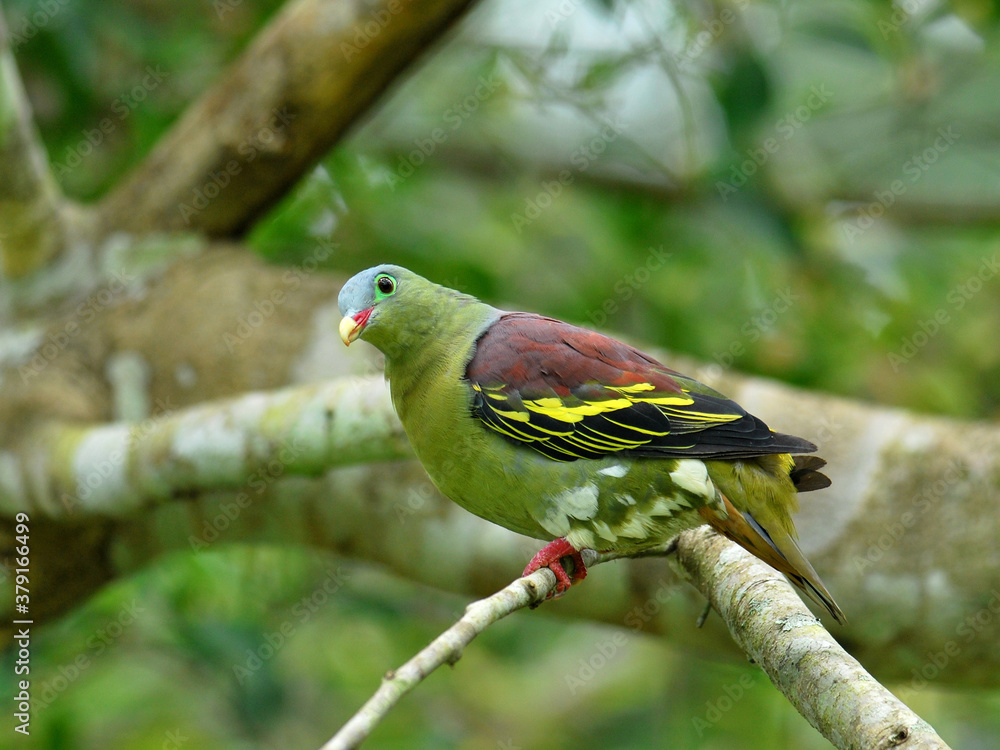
(550, 557)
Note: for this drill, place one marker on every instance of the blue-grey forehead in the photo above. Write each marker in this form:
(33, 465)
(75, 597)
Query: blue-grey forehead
(353, 292)
(359, 291)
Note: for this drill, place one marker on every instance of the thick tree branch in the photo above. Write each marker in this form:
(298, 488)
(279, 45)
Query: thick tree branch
(310, 74)
(768, 621)
(113, 470)
(36, 221)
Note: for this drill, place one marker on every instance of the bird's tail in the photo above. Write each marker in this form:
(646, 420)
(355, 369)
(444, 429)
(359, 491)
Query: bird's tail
(806, 475)
(775, 547)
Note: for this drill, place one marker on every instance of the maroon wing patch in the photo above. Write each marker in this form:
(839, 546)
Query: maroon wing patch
(571, 393)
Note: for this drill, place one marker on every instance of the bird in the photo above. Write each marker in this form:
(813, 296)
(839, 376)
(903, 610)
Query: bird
(569, 436)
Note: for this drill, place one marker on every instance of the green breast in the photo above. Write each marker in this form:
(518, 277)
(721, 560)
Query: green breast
(612, 503)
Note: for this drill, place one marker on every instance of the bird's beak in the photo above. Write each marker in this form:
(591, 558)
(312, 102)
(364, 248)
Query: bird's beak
(351, 326)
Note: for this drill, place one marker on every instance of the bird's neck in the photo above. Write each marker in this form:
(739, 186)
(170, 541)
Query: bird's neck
(434, 357)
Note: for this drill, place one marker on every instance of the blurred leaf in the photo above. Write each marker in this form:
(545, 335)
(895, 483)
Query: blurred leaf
(744, 93)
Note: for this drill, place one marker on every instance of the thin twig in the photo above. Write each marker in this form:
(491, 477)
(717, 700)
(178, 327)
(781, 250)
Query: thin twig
(447, 648)
(825, 684)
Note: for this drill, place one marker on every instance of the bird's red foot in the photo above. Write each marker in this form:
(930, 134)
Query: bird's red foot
(550, 557)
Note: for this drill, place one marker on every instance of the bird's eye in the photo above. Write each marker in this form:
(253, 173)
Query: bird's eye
(386, 284)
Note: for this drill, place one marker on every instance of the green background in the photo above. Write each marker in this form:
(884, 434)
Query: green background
(860, 299)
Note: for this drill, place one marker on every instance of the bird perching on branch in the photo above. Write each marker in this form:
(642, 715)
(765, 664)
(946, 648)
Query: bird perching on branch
(565, 434)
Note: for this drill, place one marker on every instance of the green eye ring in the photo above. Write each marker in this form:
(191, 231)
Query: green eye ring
(385, 285)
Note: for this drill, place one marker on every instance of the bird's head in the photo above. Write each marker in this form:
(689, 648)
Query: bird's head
(389, 307)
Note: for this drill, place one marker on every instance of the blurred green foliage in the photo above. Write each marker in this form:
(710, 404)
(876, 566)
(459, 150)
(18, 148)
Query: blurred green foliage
(697, 114)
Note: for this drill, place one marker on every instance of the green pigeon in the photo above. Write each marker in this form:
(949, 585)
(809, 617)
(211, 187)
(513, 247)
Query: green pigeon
(564, 434)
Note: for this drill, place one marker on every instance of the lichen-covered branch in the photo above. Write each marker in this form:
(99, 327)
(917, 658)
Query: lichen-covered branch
(113, 470)
(35, 220)
(769, 622)
(309, 75)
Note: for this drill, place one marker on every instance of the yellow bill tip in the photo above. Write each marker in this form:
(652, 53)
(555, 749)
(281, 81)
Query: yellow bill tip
(350, 329)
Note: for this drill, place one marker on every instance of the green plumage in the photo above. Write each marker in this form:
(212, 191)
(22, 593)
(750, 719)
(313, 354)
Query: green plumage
(619, 492)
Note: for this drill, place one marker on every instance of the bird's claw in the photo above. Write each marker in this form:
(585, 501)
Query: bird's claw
(550, 556)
